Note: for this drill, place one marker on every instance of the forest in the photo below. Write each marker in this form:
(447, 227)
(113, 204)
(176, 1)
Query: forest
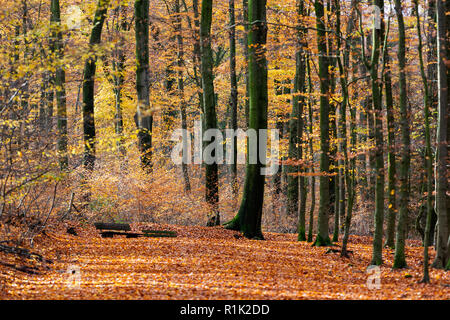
(252, 149)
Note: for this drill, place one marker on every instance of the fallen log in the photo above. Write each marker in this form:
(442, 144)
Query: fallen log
(112, 226)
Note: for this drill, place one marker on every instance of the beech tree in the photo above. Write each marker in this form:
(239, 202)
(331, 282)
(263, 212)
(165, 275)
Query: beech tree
(144, 116)
(248, 218)
(209, 105)
(89, 85)
(442, 136)
(322, 238)
(399, 258)
(57, 47)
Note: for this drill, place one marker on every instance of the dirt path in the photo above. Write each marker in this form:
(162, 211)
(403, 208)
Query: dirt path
(212, 263)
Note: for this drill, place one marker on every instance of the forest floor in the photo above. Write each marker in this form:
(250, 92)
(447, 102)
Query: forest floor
(208, 263)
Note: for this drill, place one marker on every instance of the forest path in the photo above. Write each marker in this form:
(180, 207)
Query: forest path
(213, 263)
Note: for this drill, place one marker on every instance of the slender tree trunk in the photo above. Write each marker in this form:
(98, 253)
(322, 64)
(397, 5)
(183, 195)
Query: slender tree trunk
(280, 89)
(443, 136)
(299, 104)
(180, 64)
(211, 174)
(233, 95)
(248, 219)
(60, 83)
(119, 78)
(144, 115)
(334, 166)
(246, 61)
(379, 142)
(90, 66)
(346, 169)
(399, 258)
(432, 54)
(197, 53)
(296, 127)
(322, 238)
(311, 151)
(392, 170)
(428, 151)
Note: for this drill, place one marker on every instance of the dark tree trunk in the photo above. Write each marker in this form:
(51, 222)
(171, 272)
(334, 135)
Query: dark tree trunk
(322, 238)
(60, 83)
(180, 64)
(296, 133)
(209, 104)
(428, 152)
(399, 258)
(144, 116)
(443, 135)
(379, 142)
(233, 95)
(248, 219)
(89, 86)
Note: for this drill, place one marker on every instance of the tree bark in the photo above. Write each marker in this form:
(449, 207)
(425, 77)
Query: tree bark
(379, 143)
(428, 151)
(248, 218)
(322, 238)
(209, 104)
(60, 83)
(399, 258)
(442, 135)
(233, 95)
(180, 81)
(144, 114)
(90, 66)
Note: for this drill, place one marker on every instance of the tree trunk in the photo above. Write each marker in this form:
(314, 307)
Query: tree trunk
(180, 81)
(392, 170)
(60, 83)
(399, 258)
(322, 238)
(296, 130)
(428, 151)
(334, 167)
(379, 143)
(233, 96)
(89, 86)
(209, 103)
(248, 219)
(246, 62)
(442, 135)
(144, 115)
(119, 69)
(311, 152)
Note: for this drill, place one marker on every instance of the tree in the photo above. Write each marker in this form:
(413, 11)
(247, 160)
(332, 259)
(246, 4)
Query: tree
(180, 64)
(428, 151)
(233, 94)
(144, 116)
(119, 74)
(209, 105)
(311, 151)
(296, 132)
(89, 86)
(246, 61)
(376, 125)
(392, 168)
(322, 238)
(57, 47)
(442, 135)
(347, 166)
(377, 34)
(248, 218)
(399, 258)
